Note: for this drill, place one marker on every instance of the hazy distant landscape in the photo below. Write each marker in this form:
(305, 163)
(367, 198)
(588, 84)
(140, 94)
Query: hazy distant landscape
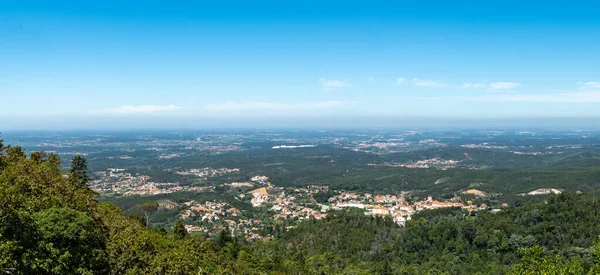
(485, 167)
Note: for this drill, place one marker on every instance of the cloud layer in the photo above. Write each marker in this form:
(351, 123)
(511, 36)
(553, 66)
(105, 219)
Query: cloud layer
(571, 97)
(504, 85)
(141, 109)
(589, 85)
(474, 85)
(333, 83)
(425, 83)
(246, 106)
(500, 85)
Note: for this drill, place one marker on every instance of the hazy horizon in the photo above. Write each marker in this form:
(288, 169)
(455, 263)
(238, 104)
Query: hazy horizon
(53, 123)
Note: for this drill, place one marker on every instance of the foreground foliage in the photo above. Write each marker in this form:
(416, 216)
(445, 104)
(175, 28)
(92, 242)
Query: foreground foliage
(51, 223)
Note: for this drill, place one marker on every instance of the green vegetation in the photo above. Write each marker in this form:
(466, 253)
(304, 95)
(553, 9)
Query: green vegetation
(556, 237)
(50, 223)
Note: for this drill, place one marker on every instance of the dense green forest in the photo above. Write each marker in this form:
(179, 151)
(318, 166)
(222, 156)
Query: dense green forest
(51, 223)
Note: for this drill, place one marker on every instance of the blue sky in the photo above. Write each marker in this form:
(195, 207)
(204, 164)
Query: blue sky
(119, 61)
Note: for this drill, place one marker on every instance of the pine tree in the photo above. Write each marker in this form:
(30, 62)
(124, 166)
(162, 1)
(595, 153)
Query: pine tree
(78, 172)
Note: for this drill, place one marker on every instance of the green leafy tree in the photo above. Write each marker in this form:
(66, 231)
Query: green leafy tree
(36, 205)
(322, 197)
(225, 237)
(595, 269)
(179, 231)
(70, 243)
(533, 262)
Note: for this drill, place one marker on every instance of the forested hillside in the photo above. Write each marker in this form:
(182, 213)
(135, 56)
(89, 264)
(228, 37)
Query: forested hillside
(51, 223)
(449, 241)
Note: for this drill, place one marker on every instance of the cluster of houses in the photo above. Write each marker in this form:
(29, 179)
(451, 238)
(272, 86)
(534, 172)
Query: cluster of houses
(169, 156)
(117, 181)
(260, 197)
(208, 210)
(433, 162)
(113, 179)
(484, 145)
(367, 146)
(211, 216)
(285, 207)
(241, 227)
(273, 201)
(208, 172)
(423, 164)
(397, 207)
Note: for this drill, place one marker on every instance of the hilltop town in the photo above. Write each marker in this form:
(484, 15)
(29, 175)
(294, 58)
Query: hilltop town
(286, 206)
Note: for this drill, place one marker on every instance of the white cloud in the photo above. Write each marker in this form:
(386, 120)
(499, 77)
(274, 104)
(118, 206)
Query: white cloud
(425, 83)
(400, 80)
(246, 106)
(474, 85)
(333, 83)
(570, 97)
(141, 109)
(589, 85)
(504, 85)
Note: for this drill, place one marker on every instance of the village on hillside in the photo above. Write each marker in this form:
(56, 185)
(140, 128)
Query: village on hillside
(272, 205)
(290, 205)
